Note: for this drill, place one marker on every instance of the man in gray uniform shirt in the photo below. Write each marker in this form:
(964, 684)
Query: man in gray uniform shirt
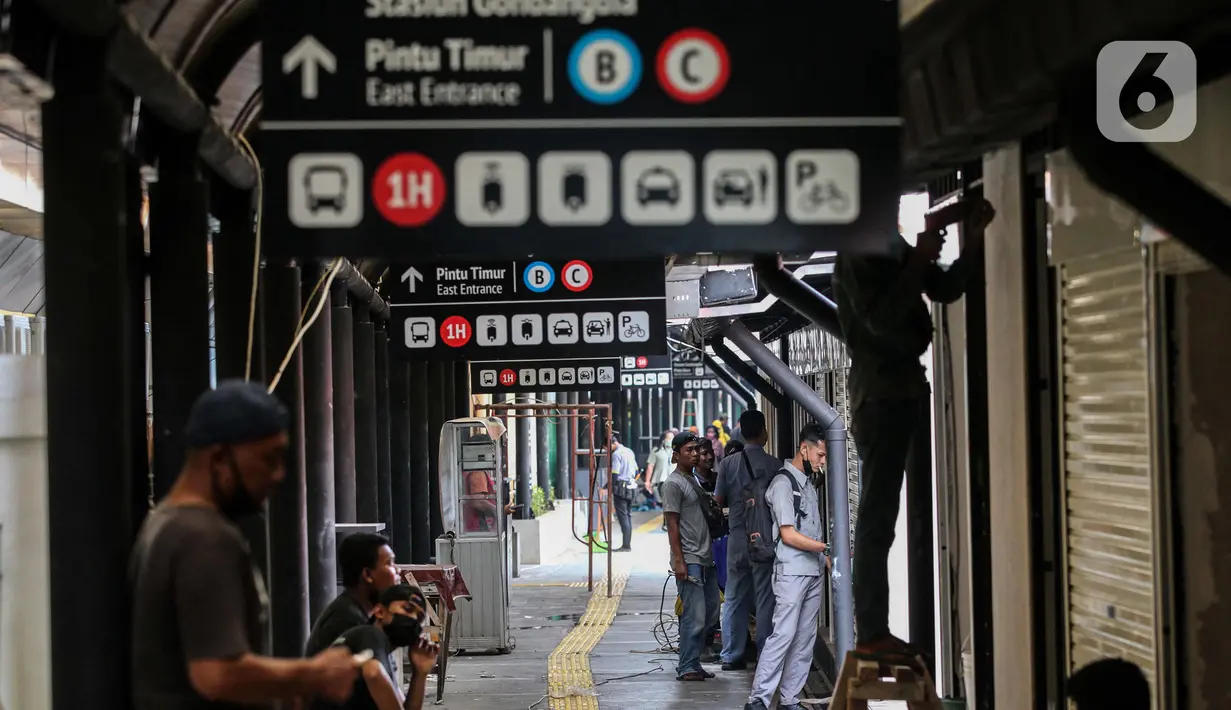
(749, 585)
(798, 574)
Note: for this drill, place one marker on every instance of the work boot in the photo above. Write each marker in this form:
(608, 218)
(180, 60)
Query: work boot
(735, 666)
(792, 706)
(755, 705)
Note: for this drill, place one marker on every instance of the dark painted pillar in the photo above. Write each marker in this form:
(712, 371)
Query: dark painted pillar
(542, 436)
(436, 417)
(787, 426)
(319, 457)
(420, 468)
(461, 390)
(343, 339)
(232, 247)
(95, 288)
(367, 508)
(400, 530)
(384, 480)
(142, 489)
(524, 430)
(287, 510)
(637, 405)
(560, 477)
(179, 298)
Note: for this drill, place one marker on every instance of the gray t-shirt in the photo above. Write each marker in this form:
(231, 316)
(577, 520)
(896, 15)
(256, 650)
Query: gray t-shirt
(661, 460)
(781, 499)
(680, 496)
(196, 595)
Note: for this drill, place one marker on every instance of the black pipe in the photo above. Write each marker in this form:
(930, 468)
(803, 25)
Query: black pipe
(367, 506)
(420, 468)
(403, 519)
(179, 299)
(731, 383)
(524, 430)
(542, 466)
(317, 351)
(232, 249)
(786, 416)
(836, 478)
(797, 294)
(461, 390)
(93, 273)
(437, 414)
(361, 290)
(637, 414)
(342, 336)
(384, 480)
(1144, 180)
(290, 577)
(749, 373)
(142, 489)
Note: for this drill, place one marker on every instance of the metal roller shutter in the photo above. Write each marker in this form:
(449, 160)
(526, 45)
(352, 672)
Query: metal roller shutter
(842, 403)
(1107, 460)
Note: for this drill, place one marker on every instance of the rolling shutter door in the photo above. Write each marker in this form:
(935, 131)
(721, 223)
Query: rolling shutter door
(842, 403)
(1108, 476)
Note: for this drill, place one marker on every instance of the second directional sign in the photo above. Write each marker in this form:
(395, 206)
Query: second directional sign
(529, 309)
(595, 128)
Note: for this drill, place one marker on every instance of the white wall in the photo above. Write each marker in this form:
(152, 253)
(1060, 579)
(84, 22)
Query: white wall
(25, 620)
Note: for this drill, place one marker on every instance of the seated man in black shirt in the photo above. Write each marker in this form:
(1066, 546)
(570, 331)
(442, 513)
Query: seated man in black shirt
(397, 623)
(368, 568)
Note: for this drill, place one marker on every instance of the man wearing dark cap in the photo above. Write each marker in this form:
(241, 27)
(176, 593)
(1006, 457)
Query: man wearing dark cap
(199, 604)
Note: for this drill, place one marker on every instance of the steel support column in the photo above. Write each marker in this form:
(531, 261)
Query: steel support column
(837, 479)
(384, 479)
(367, 508)
(342, 335)
(403, 519)
(542, 447)
(461, 390)
(563, 399)
(637, 404)
(319, 449)
(232, 249)
(95, 288)
(287, 509)
(776, 399)
(524, 430)
(437, 415)
(179, 298)
(420, 468)
(731, 384)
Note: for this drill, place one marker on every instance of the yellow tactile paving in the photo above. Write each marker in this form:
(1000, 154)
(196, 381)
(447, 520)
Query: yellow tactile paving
(570, 685)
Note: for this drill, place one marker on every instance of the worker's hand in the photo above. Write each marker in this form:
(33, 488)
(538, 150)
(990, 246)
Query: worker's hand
(681, 570)
(335, 671)
(928, 246)
(649, 487)
(423, 654)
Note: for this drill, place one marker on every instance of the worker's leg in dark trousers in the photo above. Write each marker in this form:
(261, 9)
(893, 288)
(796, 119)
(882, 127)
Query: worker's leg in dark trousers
(883, 432)
(763, 589)
(623, 511)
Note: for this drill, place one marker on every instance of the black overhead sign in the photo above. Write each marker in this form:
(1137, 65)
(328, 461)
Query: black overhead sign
(698, 384)
(644, 371)
(580, 128)
(528, 309)
(577, 375)
(687, 363)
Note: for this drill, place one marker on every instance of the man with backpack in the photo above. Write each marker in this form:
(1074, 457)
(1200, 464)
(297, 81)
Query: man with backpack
(749, 586)
(692, 556)
(791, 501)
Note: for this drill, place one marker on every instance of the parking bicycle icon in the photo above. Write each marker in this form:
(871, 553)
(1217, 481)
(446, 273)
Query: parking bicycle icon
(822, 187)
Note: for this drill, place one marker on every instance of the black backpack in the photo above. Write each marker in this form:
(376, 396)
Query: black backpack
(762, 545)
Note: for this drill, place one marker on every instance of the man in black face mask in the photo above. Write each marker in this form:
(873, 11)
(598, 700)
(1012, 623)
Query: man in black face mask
(199, 604)
(397, 623)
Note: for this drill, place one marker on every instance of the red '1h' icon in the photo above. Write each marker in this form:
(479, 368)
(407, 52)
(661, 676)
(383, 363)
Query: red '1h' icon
(455, 331)
(508, 378)
(643, 361)
(409, 189)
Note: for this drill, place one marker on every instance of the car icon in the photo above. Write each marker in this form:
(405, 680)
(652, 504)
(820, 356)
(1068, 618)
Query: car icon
(596, 327)
(420, 332)
(658, 185)
(562, 328)
(325, 187)
(733, 186)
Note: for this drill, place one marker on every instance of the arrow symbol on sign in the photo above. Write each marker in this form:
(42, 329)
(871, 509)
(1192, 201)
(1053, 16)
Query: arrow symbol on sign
(412, 276)
(312, 56)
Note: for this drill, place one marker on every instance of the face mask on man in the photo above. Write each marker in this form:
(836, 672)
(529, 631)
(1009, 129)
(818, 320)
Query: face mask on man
(403, 630)
(240, 502)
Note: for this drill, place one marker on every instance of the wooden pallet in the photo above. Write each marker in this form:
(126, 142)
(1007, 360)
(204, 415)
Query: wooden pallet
(867, 678)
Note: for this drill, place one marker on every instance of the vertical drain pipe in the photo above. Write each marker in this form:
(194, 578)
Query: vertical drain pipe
(836, 475)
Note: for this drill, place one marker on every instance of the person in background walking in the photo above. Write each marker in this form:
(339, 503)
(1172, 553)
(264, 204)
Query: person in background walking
(713, 435)
(196, 641)
(624, 488)
(659, 466)
(749, 587)
(692, 559)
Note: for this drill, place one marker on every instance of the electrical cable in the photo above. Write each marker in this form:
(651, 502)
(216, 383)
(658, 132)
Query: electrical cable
(301, 331)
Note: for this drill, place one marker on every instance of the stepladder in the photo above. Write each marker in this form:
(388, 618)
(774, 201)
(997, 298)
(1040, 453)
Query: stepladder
(867, 678)
(688, 413)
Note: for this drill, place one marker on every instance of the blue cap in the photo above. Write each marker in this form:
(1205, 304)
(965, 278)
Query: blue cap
(237, 412)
